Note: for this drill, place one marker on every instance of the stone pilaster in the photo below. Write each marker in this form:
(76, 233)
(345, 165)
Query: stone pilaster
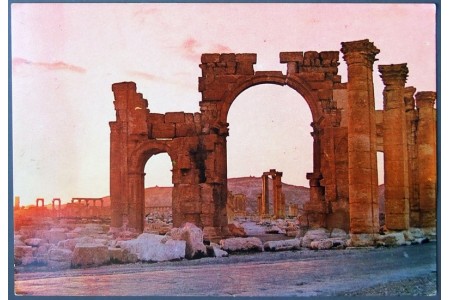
(426, 154)
(136, 201)
(362, 164)
(396, 171)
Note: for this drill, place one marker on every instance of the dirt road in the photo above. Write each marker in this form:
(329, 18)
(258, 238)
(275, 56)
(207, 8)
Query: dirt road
(293, 273)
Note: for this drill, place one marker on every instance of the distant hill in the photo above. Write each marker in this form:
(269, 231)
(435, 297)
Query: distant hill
(249, 186)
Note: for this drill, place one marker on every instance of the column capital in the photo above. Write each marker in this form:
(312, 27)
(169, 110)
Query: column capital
(393, 75)
(359, 51)
(425, 99)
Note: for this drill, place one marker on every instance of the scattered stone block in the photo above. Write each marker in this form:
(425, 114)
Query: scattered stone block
(321, 245)
(35, 242)
(193, 236)
(314, 235)
(121, 256)
(59, 258)
(150, 247)
(55, 235)
(237, 230)
(90, 255)
(241, 244)
(392, 239)
(23, 255)
(362, 240)
(293, 244)
(338, 233)
(215, 251)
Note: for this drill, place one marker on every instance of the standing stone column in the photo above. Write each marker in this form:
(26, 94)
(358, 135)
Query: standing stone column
(411, 129)
(275, 199)
(396, 177)
(277, 193)
(265, 196)
(362, 161)
(426, 154)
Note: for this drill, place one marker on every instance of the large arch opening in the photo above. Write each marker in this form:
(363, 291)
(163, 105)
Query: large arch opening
(158, 188)
(269, 128)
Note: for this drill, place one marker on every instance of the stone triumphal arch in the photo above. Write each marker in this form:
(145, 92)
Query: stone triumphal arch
(347, 132)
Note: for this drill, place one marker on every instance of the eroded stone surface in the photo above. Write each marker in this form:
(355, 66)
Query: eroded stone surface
(241, 244)
(193, 236)
(151, 247)
(283, 245)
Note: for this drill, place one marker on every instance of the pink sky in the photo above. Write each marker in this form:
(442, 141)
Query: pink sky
(66, 56)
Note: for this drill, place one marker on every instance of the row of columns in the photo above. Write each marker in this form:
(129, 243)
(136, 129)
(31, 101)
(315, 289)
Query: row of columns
(278, 199)
(409, 160)
(410, 172)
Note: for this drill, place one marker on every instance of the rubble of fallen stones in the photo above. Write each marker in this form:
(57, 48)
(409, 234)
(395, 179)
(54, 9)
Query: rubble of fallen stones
(69, 244)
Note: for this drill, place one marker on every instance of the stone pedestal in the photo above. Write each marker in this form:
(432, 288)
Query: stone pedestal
(396, 172)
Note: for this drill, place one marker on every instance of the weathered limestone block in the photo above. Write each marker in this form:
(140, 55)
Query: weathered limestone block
(430, 233)
(292, 244)
(182, 129)
(321, 245)
(214, 250)
(275, 229)
(314, 235)
(210, 58)
(392, 239)
(236, 229)
(55, 235)
(244, 68)
(312, 76)
(23, 255)
(91, 229)
(59, 258)
(72, 235)
(338, 233)
(286, 57)
(163, 130)
(71, 243)
(121, 256)
(35, 242)
(362, 240)
(174, 117)
(27, 232)
(193, 236)
(241, 244)
(154, 118)
(90, 255)
(151, 247)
